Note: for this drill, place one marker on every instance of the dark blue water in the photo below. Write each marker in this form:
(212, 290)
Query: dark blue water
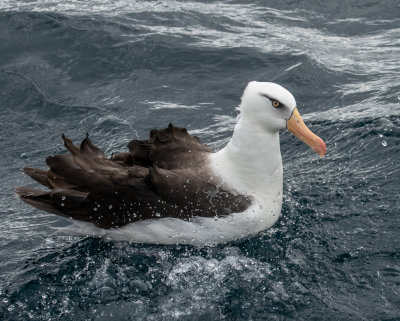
(120, 68)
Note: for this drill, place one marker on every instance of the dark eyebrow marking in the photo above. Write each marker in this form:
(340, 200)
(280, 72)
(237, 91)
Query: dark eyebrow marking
(271, 99)
(266, 96)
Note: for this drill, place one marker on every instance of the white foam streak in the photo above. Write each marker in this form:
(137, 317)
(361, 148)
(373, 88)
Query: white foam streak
(244, 25)
(362, 110)
(156, 105)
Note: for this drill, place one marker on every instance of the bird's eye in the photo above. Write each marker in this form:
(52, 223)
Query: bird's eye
(276, 103)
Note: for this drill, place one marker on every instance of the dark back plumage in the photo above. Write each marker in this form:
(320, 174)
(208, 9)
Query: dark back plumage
(164, 176)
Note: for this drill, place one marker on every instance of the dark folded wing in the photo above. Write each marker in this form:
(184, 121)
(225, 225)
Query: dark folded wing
(169, 148)
(152, 181)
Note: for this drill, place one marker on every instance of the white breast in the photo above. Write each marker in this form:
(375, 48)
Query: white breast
(250, 164)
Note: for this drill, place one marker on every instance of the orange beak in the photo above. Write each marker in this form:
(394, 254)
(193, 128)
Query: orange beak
(297, 127)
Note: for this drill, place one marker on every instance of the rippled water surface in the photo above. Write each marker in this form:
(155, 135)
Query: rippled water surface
(117, 69)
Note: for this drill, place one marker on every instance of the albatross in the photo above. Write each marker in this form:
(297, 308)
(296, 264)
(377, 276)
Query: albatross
(172, 188)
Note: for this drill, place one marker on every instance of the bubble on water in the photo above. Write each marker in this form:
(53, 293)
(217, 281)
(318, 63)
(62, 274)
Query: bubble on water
(384, 143)
(63, 198)
(110, 207)
(95, 209)
(158, 215)
(62, 204)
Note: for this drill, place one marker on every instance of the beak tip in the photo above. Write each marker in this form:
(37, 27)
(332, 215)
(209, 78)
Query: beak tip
(297, 127)
(321, 148)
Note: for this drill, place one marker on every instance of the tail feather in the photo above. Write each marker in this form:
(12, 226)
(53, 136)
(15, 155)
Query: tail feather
(64, 202)
(38, 175)
(37, 198)
(86, 186)
(68, 198)
(58, 181)
(73, 149)
(88, 149)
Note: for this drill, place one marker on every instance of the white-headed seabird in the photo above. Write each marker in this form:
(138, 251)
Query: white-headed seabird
(173, 189)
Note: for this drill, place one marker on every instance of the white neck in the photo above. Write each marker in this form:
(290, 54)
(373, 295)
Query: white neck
(251, 162)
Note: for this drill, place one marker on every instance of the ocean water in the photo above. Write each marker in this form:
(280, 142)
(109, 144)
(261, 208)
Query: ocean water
(117, 69)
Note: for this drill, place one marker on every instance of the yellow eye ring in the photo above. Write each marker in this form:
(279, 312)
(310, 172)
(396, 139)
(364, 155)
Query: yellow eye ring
(276, 103)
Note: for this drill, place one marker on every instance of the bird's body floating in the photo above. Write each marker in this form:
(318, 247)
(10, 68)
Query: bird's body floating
(173, 189)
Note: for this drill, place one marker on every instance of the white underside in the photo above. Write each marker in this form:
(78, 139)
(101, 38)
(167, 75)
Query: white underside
(199, 232)
(250, 164)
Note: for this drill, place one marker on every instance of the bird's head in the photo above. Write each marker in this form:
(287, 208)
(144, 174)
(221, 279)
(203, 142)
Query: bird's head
(271, 107)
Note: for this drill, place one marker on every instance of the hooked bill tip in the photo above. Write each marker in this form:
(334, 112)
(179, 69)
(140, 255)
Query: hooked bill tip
(320, 147)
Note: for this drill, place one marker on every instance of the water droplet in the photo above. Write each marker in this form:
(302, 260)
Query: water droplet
(384, 143)
(63, 198)
(95, 209)
(62, 204)
(110, 207)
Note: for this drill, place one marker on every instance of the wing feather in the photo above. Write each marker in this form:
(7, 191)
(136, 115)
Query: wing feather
(165, 176)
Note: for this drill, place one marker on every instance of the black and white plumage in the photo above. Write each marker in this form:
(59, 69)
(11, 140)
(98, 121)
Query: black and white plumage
(173, 189)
